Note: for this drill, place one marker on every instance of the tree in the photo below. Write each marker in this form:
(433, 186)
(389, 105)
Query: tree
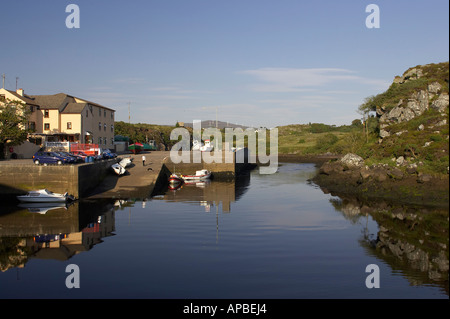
(13, 124)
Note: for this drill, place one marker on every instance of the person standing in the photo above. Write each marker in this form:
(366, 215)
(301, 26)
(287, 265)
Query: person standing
(143, 160)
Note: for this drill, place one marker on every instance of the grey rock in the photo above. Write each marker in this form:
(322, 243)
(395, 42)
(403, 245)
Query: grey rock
(352, 160)
(441, 103)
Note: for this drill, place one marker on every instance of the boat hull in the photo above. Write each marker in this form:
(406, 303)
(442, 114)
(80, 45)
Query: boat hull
(28, 199)
(199, 176)
(118, 169)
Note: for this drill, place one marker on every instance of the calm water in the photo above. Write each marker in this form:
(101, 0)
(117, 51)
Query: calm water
(265, 236)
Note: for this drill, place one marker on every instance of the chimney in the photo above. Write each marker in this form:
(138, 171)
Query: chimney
(20, 92)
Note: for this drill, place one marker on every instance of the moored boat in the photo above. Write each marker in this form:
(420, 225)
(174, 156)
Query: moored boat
(136, 148)
(200, 175)
(44, 196)
(125, 162)
(118, 169)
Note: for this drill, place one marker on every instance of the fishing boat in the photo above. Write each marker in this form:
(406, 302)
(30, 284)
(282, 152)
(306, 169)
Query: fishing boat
(200, 175)
(125, 162)
(44, 196)
(136, 148)
(118, 169)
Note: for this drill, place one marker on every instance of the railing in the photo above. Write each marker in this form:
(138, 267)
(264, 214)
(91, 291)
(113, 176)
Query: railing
(82, 147)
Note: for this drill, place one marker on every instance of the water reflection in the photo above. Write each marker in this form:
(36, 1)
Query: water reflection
(413, 240)
(208, 193)
(278, 229)
(52, 231)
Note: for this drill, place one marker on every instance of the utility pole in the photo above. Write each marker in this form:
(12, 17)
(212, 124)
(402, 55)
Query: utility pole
(3, 76)
(129, 113)
(17, 78)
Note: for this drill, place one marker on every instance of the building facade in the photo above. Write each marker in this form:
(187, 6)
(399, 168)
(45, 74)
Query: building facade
(65, 118)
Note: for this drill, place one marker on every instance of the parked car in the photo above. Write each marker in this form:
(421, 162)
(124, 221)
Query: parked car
(107, 154)
(81, 154)
(49, 158)
(76, 157)
(70, 159)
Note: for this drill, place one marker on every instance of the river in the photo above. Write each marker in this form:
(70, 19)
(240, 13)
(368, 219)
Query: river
(275, 236)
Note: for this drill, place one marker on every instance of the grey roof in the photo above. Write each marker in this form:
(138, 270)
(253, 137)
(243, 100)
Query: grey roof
(27, 99)
(55, 101)
(61, 101)
(74, 107)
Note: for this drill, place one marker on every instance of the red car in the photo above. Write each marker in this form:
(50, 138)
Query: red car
(81, 154)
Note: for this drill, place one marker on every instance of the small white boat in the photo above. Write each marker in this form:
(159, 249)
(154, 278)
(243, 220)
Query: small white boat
(207, 147)
(200, 175)
(199, 146)
(125, 162)
(44, 196)
(118, 169)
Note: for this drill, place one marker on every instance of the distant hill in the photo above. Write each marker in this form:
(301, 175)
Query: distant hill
(220, 125)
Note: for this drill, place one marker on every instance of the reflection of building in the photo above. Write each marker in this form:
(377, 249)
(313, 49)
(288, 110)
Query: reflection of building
(58, 234)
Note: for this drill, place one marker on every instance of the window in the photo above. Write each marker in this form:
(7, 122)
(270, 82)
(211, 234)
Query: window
(104, 113)
(100, 126)
(112, 140)
(112, 128)
(105, 140)
(32, 126)
(46, 113)
(112, 115)
(69, 125)
(104, 126)
(46, 126)
(99, 112)
(99, 141)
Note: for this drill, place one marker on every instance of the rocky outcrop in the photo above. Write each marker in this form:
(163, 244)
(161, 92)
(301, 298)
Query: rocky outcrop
(433, 96)
(399, 181)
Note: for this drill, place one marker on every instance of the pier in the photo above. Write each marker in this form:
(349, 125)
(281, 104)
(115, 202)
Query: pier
(97, 180)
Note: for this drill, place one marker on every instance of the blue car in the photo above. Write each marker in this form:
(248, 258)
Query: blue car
(70, 158)
(48, 158)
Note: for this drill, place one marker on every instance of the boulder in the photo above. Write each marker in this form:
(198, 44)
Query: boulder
(411, 168)
(395, 173)
(400, 160)
(441, 103)
(352, 160)
(434, 87)
(424, 178)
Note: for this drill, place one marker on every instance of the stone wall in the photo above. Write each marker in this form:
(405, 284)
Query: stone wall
(77, 180)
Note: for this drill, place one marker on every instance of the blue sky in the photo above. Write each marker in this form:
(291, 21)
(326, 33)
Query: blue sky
(257, 63)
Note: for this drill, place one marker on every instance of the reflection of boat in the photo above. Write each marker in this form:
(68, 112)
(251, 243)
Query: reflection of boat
(200, 175)
(200, 184)
(174, 179)
(174, 187)
(125, 162)
(118, 169)
(42, 208)
(44, 196)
